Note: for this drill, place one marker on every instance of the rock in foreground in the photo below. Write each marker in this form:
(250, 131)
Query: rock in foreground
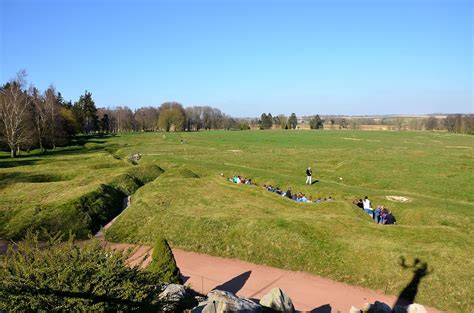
(278, 300)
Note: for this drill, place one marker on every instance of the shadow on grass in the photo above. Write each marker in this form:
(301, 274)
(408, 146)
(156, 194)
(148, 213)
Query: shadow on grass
(6, 163)
(235, 284)
(420, 270)
(77, 146)
(20, 177)
(314, 181)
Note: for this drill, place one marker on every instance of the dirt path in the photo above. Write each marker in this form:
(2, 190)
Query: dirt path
(310, 293)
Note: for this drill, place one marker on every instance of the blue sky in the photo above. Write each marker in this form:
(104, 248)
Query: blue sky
(248, 57)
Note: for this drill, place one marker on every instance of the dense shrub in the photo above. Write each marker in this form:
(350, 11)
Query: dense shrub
(68, 277)
(164, 264)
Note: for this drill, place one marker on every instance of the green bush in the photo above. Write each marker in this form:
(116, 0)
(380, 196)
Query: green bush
(68, 277)
(164, 264)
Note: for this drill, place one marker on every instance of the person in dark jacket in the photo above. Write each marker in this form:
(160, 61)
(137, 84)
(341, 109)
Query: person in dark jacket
(390, 219)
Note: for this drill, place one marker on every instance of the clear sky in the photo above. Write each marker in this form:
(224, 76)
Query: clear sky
(248, 57)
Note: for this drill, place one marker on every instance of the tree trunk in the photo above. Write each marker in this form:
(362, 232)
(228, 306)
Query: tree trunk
(13, 152)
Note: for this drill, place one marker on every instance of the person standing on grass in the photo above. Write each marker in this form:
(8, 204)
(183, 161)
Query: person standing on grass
(368, 207)
(309, 174)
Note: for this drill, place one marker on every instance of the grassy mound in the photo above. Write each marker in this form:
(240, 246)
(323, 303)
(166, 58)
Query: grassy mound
(82, 214)
(182, 172)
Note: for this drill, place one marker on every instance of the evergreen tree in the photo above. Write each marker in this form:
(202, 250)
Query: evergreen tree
(292, 121)
(263, 120)
(86, 113)
(316, 123)
(105, 123)
(164, 263)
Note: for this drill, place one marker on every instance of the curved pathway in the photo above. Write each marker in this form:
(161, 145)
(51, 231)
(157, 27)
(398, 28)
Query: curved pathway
(310, 293)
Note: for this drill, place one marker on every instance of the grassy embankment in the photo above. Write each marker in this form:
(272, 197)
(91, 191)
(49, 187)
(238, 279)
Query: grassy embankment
(75, 189)
(196, 209)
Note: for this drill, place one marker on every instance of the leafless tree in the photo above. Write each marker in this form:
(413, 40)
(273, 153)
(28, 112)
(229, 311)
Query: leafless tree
(39, 116)
(52, 112)
(14, 104)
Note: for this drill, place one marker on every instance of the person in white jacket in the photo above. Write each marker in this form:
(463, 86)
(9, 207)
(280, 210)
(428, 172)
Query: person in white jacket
(309, 174)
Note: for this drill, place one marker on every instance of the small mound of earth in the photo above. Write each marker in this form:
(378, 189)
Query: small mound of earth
(398, 199)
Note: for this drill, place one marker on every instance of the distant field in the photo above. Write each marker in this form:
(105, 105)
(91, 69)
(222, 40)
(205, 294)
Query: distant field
(197, 209)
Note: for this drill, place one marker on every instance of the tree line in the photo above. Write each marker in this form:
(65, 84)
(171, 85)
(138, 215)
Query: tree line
(267, 121)
(32, 119)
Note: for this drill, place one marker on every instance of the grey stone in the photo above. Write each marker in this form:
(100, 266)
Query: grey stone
(354, 310)
(277, 300)
(173, 292)
(225, 302)
(416, 308)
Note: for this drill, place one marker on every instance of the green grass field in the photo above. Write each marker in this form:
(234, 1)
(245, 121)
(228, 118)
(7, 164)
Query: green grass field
(197, 209)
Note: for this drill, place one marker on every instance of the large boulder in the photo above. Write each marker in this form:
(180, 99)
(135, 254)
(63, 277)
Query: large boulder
(176, 298)
(416, 308)
(173, 292)
(225, 302)
(277, 300)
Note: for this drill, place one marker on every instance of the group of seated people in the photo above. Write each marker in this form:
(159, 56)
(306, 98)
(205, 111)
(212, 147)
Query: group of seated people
(381, 215)
(298, 197)
(237, 179)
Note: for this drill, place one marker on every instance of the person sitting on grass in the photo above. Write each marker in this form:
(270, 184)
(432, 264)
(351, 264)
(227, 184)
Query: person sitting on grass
(390, 219)
(377, 213)
(383, 215)
(368, 206)
(358, 203)
(288, 193)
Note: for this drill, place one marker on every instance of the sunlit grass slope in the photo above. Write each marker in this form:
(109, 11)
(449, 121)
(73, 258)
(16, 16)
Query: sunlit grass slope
(205, 213)
(197, 209)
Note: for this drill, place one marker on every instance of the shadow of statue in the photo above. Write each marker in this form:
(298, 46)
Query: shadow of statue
(235, 284)
(420, 270)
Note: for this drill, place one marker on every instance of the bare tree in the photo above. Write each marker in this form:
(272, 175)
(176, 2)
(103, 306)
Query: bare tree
(146, 119)
(14, 104)
(52, 111)
(39, 117)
